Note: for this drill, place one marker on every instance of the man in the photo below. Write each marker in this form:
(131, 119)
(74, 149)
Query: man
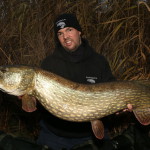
(74, 60)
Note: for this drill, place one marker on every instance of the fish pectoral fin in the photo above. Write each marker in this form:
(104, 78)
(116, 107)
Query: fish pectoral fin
(143, 115)
(28, 103)
(98, 128)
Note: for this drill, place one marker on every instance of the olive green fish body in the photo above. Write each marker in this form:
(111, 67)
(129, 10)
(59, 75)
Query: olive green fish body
(77, 102)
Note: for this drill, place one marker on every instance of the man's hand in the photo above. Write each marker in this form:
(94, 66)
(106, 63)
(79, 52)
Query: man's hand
(129, 108)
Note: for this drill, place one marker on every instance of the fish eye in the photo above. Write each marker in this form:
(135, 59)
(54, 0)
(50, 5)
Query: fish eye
(3, 70)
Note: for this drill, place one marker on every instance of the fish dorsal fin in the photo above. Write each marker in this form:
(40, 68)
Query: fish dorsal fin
(98, 128)
(143, 115)
(28, 103)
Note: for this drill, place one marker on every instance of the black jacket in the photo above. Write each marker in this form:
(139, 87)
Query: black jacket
(82, 66)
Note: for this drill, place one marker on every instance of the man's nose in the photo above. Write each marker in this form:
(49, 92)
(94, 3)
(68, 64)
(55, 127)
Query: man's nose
(65, 35)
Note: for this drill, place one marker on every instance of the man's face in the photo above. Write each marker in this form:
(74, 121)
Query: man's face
(69, 38)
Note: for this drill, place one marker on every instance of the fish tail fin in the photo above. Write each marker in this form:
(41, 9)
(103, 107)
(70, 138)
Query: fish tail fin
(142, 115)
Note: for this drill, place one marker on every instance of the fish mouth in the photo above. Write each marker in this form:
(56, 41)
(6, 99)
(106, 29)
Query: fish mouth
(3, 69)
(9, 92)
(2, 90)
(5, 91)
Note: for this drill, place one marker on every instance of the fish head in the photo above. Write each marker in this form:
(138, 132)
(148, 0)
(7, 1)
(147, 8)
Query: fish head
(12, 79)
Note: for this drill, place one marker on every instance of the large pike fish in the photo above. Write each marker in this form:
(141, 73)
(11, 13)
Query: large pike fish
(76, 102)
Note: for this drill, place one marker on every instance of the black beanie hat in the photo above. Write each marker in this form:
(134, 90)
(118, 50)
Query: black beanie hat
(66, 20)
